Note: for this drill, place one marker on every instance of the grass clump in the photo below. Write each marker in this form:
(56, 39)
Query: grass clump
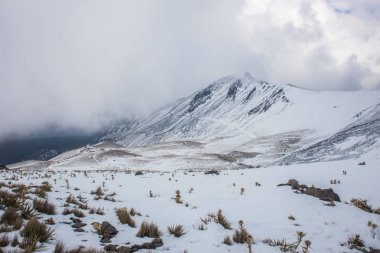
(355, 242)
(148, 230)
(176, 230)
(4, 240)
(9, 199)
(125, 217)
(27, 212)
(362, 204)
(43, 206)
(227, 240)
(222, 220)
(98, 192)
(33, 233)
(241, 235)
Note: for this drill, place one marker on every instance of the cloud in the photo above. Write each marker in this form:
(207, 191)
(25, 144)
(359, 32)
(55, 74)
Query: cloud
(316, 44)
(83, 64)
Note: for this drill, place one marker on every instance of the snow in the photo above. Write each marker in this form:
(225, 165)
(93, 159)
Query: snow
(263, 209)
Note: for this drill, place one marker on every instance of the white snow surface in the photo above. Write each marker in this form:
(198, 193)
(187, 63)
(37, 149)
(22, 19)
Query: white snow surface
(263, 209)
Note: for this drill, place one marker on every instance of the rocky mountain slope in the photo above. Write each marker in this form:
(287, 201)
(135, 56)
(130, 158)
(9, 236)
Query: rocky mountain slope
(240, 113)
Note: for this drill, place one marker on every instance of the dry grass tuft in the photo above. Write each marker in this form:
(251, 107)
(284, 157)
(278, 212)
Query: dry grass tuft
(4, 240)
(227, 240)
(35, 231)
(222, 220)
(176, 230)
(125, 217)
(43, 206)
(148, 230)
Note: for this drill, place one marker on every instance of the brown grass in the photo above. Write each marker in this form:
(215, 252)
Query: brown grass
(37, 231)
(125, 217)
(148, 230)
(4, 240)
(222, 220)
(176, 230)
(43, 206)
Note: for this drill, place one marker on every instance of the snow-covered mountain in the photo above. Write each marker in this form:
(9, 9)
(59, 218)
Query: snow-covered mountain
(240, 113)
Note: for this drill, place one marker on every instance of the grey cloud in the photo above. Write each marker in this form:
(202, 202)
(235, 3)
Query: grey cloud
(83, 64)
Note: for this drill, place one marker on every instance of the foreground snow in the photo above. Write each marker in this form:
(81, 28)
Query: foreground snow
(264, 209)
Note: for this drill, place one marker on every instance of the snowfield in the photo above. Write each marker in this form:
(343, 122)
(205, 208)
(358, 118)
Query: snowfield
(264, 209)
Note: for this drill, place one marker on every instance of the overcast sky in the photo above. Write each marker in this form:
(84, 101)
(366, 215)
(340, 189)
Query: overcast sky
(78, 64)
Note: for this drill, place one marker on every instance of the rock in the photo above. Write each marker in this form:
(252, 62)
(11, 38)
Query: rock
(106, 239)
(3, 167)
(107, 229)
(110, 247)
(123, 249)
(75, 220)
(293, 183)
(79, 230)
(374, 250)
(323, 194)
(209, 172)
(361, 163)
(79, 225)
(157, 242)
(139, 173)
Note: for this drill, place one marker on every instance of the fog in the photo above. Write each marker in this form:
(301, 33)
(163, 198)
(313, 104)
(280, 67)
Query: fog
(80, 65)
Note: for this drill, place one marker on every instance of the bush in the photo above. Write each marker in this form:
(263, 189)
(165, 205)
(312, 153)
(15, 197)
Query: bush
(125, 217)
(35, 231)
(176, 230)
(4, 240)
(148, 230)
(222, 220)
(27, 212)
(43, 206)
(9, 199)
(355, 242)
(10, 216)
(362, 204)
(227, 240)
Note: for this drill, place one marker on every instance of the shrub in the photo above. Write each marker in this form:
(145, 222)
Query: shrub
(9, 199)
(148, 230)
(43, 206)
(78, 213)
(10, 216)
(355, 242)
(125, 217)
(222, 220)
(362, 204)
(176, 230)
(98, 191)
(241, 235)
(227, 240)
(36, 228)
(27, 212)
(201, 226)
(4, 240)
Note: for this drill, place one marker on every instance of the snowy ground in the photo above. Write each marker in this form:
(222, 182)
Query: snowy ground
(264, 209)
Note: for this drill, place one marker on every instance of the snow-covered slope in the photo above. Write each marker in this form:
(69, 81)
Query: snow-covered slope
(244, 114)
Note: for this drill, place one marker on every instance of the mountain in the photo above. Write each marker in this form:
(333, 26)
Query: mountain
(240, 113)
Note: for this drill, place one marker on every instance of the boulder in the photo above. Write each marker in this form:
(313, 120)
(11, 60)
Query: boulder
(293, 183)
(108, 229)
(212, 172)
(322, 194)
(139, 173)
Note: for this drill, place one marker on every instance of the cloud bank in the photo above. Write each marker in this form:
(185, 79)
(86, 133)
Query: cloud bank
(82, 64)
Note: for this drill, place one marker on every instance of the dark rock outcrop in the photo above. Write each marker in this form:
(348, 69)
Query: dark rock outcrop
(322, 194)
